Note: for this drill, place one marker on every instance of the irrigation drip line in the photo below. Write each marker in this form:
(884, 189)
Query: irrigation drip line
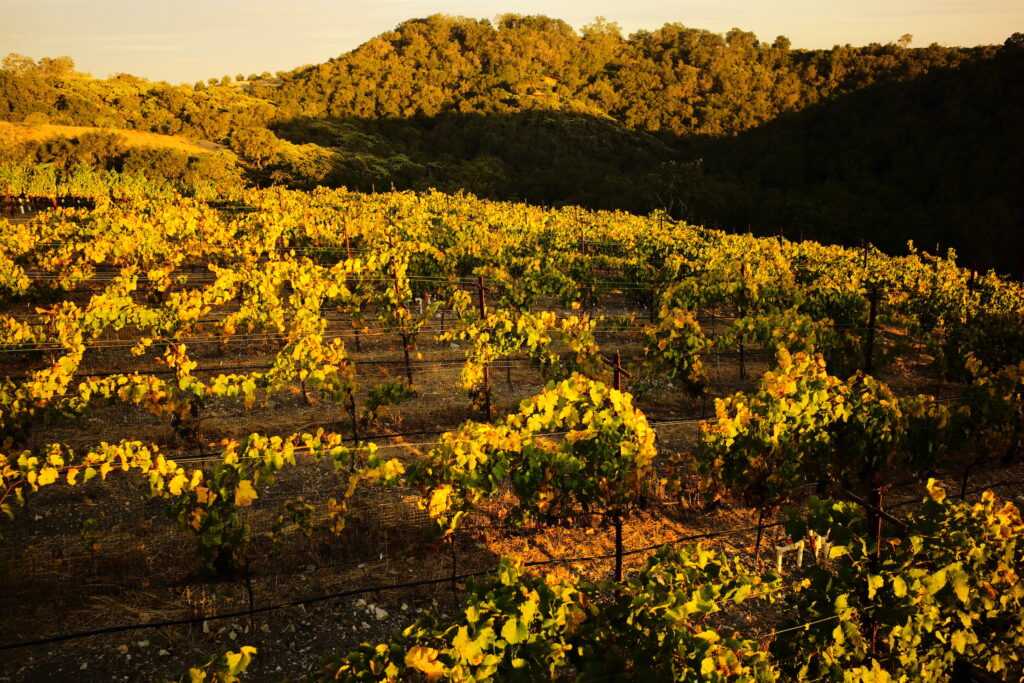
(280, 337)
(77, 635)
(659, 503)
(211, 457)
(969, 492)
(468, 529)
(196, 279)
(801, 627)
(258, 337)
(364, 331)
(249, 339)
(424, 363)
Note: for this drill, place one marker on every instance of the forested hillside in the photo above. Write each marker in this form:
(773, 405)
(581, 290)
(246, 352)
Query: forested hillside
(884, 143)
(676, 80)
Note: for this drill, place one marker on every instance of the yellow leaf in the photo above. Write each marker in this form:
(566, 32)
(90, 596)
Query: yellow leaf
(707, 666)
(239, 661)
(960, 586)
(176, 483)
(874, 583)
(936, 582)
(439, 501)
(47, 475)
(245, 494)
(233, 659)
(424, 659)
(935, 490)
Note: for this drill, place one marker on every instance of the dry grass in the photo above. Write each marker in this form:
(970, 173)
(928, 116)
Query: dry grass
(15, 133)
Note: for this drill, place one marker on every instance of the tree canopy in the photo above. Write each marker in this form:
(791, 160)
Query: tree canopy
(880, 143)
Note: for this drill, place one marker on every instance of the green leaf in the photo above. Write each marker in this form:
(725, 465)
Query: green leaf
(709, 636)
(513, 631)
(837, 551)
(742, 593)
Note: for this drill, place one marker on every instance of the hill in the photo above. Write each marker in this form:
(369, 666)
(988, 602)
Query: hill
(14, 134)
(676, 80)
(884, 143)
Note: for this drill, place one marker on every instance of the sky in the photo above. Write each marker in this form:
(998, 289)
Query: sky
(188, 40)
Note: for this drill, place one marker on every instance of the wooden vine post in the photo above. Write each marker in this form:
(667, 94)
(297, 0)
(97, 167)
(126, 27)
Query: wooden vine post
(618, 548)
(354, 416)
(760, 536)
(742, 313)
(405, 338)
(617, 383)
(482, 306)
(874, 295)
(454, 576)
(359, 344)
(875, 514)
(588, 291)
(251, 597)
(403, 331)
(617, 373)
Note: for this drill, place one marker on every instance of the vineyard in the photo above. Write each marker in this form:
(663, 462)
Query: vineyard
(401, 436)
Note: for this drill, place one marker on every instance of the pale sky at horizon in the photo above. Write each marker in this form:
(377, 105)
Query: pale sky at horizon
(187, 40)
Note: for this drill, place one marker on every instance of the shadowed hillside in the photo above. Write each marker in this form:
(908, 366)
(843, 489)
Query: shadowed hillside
(882, 143)
(539, 156)
(936, 160)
